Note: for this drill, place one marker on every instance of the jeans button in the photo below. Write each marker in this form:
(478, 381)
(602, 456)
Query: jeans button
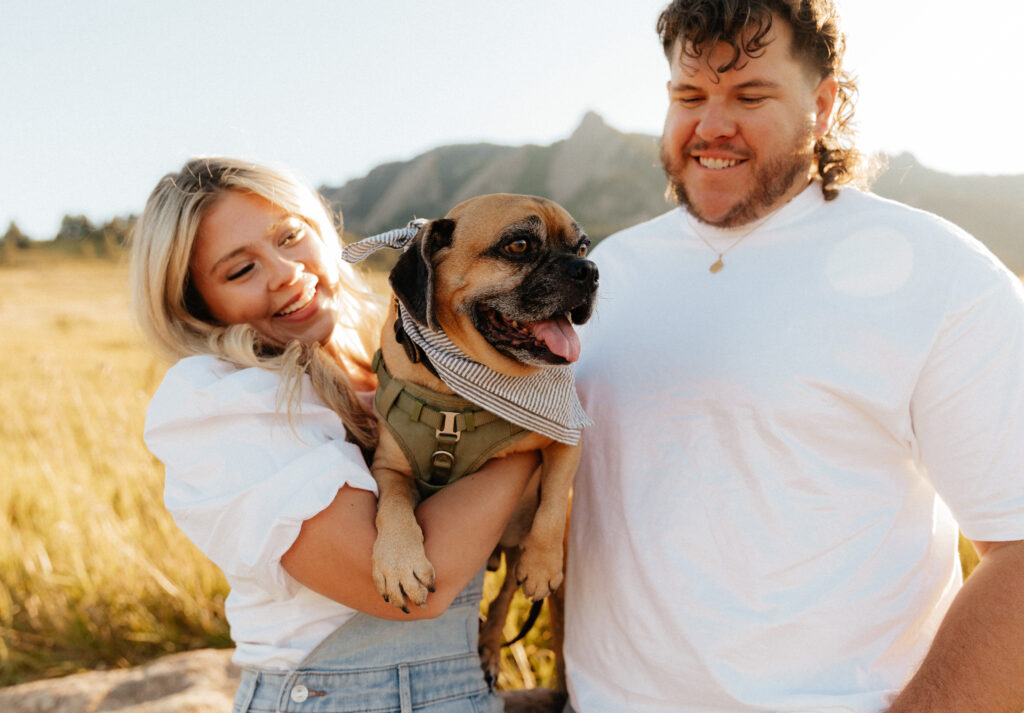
(300, 693)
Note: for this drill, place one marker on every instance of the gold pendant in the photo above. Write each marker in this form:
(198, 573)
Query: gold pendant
(717, 266)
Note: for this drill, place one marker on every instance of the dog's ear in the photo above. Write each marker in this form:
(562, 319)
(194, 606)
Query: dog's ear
(412, 277)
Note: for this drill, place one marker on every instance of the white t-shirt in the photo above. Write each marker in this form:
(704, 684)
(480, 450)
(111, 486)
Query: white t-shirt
(760, 519)
(240, 482)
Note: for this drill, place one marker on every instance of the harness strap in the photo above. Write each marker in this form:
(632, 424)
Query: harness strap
(410, 399)
(448, 415)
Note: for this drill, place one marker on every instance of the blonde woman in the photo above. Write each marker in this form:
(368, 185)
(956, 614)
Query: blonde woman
(263, 428)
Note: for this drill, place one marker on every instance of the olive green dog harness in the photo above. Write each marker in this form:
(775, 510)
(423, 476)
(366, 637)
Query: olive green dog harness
(443, 436)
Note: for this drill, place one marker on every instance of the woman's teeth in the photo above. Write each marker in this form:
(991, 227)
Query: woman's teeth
(307, 297)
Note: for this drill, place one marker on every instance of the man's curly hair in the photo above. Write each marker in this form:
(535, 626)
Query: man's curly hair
(817, 42)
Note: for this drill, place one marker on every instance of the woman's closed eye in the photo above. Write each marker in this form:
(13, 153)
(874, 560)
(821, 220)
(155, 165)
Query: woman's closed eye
(235, 274)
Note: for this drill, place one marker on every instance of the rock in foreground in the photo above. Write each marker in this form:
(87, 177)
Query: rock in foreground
(192, 682)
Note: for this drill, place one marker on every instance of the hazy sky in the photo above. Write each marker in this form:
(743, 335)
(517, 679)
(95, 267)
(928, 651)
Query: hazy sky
(99, 99)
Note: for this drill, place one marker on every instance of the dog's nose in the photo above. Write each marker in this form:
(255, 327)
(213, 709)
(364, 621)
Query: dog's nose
(583, 271)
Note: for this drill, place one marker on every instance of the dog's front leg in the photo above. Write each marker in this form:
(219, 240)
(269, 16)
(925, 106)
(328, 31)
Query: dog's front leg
(401, 571)
(539, 570)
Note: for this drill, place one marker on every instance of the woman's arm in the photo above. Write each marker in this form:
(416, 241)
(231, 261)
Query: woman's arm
(461, 526)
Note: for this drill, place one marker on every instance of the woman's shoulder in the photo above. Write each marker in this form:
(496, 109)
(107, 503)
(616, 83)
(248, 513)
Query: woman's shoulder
(204, 385)
(204, 374)
(205, 370)
(210, 417)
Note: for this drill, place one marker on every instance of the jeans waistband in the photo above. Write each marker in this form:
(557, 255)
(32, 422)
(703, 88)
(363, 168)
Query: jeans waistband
(400, 688)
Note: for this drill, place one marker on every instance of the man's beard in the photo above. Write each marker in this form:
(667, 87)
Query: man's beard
(771, 182)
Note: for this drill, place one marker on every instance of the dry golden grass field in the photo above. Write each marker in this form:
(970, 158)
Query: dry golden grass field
(93, 571)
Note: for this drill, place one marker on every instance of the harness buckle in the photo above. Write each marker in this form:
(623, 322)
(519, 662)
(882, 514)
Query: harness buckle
(449, 430)
(442, 462)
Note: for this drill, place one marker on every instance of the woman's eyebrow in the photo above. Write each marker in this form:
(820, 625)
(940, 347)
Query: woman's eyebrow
(237, 251)
(272, 230)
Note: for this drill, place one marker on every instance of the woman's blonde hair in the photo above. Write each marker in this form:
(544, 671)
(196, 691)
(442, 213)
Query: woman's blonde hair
(171, 313)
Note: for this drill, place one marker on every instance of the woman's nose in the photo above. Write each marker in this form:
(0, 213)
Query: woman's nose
(284, 272)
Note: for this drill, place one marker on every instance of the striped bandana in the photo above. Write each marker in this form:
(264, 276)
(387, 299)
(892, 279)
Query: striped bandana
(544, 402)
(398, 238)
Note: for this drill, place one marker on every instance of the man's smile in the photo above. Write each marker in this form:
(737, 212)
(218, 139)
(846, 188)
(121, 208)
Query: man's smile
(718, 163)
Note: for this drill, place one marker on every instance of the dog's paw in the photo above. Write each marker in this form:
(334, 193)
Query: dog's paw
(539, 574)
(403, 577)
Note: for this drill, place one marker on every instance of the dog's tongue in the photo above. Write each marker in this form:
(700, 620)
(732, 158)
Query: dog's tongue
(559, 336)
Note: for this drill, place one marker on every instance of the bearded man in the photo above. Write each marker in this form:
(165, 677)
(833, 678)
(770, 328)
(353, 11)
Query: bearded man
(801, 393)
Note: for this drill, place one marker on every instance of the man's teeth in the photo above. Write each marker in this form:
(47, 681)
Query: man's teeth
(717, 163)
(298, 304)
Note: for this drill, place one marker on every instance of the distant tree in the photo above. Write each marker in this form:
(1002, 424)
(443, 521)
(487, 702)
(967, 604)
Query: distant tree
(14, 237)
(116, 231)
(111, 240)
(75, 227)
(9, 244)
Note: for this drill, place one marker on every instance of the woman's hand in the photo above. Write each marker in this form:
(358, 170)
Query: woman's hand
(461, 526)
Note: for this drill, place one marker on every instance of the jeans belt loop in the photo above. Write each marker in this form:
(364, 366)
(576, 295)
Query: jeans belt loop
(404, 690)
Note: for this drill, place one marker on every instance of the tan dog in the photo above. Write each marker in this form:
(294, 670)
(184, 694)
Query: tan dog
(504, 277)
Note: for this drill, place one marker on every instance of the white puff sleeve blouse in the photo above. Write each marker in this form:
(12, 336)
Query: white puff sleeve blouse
(240, 481)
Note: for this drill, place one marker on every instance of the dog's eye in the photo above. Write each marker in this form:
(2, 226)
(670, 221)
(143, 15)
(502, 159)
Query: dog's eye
(581, 251)
(517, 247)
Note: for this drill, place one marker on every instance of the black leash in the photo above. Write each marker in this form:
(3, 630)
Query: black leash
(531, 619)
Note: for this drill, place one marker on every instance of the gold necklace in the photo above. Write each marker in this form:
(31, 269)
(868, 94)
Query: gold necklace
(717, 265)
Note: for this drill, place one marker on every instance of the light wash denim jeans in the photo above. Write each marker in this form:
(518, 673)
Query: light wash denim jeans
(379, 666)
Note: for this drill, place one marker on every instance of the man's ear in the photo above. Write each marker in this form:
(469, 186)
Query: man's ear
(412, 277)
(824, 102)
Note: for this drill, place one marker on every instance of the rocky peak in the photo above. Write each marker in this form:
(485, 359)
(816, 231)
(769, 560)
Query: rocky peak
(591, 128)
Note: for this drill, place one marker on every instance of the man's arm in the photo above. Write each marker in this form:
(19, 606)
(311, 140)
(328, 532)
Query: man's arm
(976, 662)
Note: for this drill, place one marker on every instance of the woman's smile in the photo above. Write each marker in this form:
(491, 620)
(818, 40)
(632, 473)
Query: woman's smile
(301, 301)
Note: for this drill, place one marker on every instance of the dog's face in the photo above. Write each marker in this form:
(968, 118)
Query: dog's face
(505, 277)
